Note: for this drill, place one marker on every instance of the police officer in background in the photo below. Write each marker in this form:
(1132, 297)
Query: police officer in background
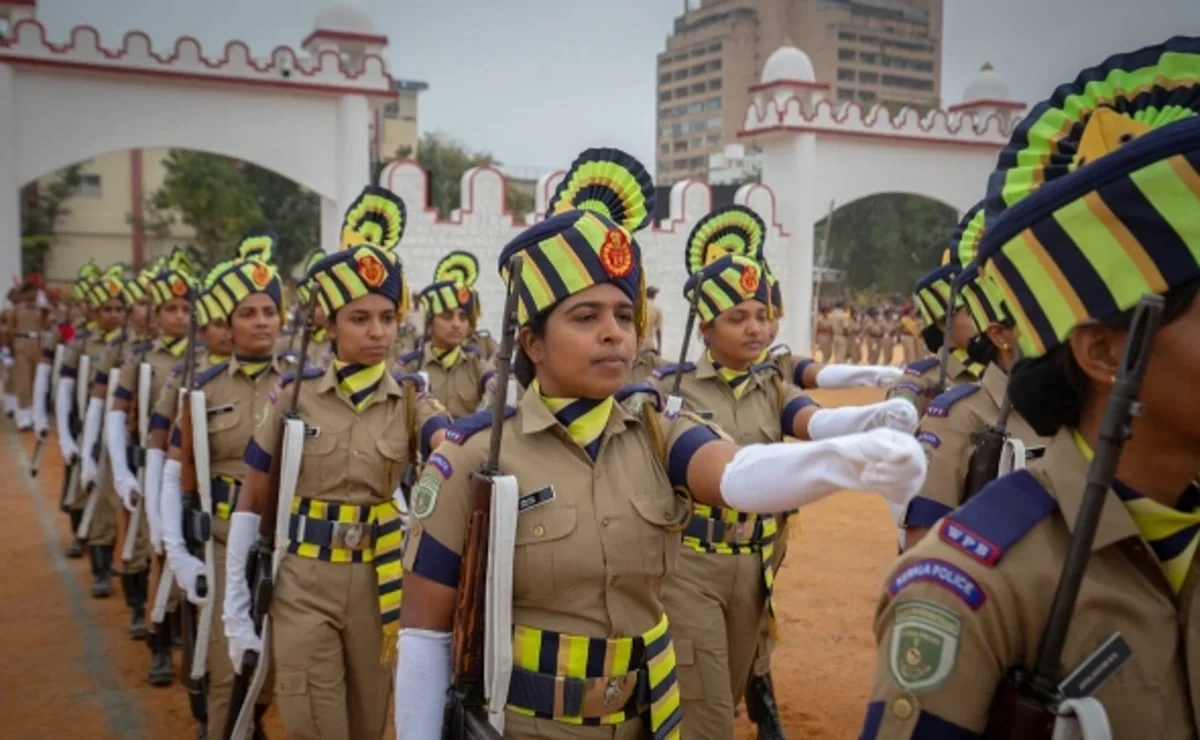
(649, 354)
(598, 465)
(1106, 168)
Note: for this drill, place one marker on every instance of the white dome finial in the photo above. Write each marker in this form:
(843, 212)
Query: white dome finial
(345, 16)
(788, 64)
(987, 85)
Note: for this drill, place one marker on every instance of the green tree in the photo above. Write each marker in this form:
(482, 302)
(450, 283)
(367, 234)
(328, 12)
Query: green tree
(445, 160)
(291, 211)
(885, 242)
(43, 207)
(208, 193)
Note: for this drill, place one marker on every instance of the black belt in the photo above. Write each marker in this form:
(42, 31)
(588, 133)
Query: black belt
(330, 534)
(717, 530)
(538, 692)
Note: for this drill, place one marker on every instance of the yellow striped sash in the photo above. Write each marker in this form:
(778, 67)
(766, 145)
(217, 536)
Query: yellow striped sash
(730, 532)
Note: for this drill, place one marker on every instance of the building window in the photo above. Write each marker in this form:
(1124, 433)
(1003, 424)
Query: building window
(714, 65)
(714, 84)
(664, 78)
(847, 55)
(695, 107)
(679, 164)
(697, 142)
(908, 83)
(714, 139)
(845, 75)
(664, 148)
(844, 94)
(715, 47)
(680, 146)
(679, 74)
(697, 88)
(866, 58)
(89, 186)
(866, 96)
(664, 96)
(696, 162)
(714, 123)
(698, 69)
(846, 36)
(681, 92)
(712, 104)
(871, 78)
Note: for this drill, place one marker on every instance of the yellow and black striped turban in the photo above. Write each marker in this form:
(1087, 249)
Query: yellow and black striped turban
(173, 279)
(1096, 199)
(932, 293)
(977, 292)
(776, 294)
(249, 273)
(109, 286)
(137, 288)
(453, 286)
(367, 263)
(587, 237)
(729, 230)
(304, 288)
(89, 273)
(727, 282)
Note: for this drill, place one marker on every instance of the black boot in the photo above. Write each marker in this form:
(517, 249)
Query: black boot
(259, 711)
(202, 733)
(162, 669)
(75, 549)
(136, 586)
(762, 709)
(101, 571)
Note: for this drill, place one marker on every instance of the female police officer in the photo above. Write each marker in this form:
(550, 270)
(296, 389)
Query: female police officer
(1095, 203)
(336, 606)
(598, 531)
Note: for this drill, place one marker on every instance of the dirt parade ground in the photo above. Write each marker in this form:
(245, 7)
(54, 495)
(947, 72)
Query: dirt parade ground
(70, 670)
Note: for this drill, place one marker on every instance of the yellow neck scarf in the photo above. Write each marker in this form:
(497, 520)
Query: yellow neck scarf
(583, 418)
(253, 367)
(359, 382)
(738, 380)
(175, 347)
(448, 358)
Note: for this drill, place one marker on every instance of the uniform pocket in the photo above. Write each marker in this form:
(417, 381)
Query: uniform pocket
(321, 465)
(291, 691)
(661, 519)
(395, 458)
(691, 683)
(537, 544)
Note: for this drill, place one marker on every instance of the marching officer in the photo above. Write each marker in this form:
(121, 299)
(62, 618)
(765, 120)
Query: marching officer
(650, 350)
(28, 320)
(1105, 168)
(458, 375)
(598, 466)
(335, 612)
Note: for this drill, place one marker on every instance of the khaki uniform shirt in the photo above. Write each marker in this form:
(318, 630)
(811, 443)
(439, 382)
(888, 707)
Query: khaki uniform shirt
(595, 541)
(653, 325)
(462, 388)
(349, 456)
(167, 399)
(968, 604)
(823, 326)
(161, 362)
(408, 338)
(644, 364)
(94, 346)
(919, 383)
(791, 366)
(762, 415)
(945, 436)
(482, 340)
(839, 322)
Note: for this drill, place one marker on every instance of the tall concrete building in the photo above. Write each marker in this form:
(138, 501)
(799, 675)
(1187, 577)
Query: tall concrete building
(872, 51)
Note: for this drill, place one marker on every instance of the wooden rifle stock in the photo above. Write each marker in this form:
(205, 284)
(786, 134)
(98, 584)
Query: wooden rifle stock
(984, 466)
(466, 712)
(1023, 706)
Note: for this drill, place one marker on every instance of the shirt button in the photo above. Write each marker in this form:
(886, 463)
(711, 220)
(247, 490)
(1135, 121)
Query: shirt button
(604, 522)
(902, 708)
(539, 530)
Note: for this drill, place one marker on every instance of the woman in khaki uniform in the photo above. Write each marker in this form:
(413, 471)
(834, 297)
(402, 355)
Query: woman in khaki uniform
(251, 292)
(336, 605)
(966, 607)
(458, 376)
(598, 466)
(28, 321)
(823, 331)
(721, 598)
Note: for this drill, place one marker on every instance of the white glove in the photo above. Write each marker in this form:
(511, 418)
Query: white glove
(856, 376)
(239, 627)
(63, 400)
(91, 433)
(783, 476)
(182, 563)
(422, 677)
(124, 479)
(895, 414)
(153, 493)
(41, 384)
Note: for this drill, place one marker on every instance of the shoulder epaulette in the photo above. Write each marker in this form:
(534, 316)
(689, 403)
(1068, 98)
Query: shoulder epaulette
(471, 349)
(205, 377)
(779, 350)
(143, 347)
(766, 367)
(408, 357)
(920, 367)
(997, 517)
(310, 372)
(468, 426)
(484, 333)
(940, 406)
(634, 389)
(669, 369)
(402, 377)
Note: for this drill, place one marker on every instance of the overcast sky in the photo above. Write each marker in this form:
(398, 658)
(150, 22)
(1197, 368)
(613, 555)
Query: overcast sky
(537, 81)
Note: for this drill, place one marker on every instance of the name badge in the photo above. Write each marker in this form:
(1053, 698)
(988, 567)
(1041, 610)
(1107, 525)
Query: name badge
(313, 432)
(704, 414)
(1097, 668)
(1034, 453)
(537, 498)
(218, 410)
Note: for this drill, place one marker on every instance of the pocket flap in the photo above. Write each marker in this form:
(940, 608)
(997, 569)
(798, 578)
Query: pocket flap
(545, 524)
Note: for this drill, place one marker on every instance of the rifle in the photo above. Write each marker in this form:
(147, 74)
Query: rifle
(984, 465)
(268, 552)
(467, 711)
(1023, 706)
(137, 453)
(197, 529)
(98, 448)
(675, 400)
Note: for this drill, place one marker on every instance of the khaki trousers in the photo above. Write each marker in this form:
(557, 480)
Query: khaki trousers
(330, 681)
(717, 607)
(25, 359)
(220, 670)
(909, 346)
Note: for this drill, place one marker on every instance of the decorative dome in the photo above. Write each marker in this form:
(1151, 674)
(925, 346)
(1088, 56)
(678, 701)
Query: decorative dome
(987, 85)
(788, 63)
(346, 16)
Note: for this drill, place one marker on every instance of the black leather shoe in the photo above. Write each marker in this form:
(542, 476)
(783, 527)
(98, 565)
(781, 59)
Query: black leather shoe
(762, 708)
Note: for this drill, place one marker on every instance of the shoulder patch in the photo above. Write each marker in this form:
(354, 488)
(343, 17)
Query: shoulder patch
(997, 517)
(930, 439)
(408, 357)
(941, 405)
(468, 426)
(939, 572)
(669, 369)
(920, 367)
(310, 372)
(924, 645)
(634, 389)
(206, 377)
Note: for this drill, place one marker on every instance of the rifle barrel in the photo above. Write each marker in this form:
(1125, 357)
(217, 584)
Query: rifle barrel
(504, 364)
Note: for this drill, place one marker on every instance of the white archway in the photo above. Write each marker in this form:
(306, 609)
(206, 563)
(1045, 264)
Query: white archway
(305, 117)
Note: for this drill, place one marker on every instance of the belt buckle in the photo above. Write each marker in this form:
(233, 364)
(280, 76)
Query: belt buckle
(737, 532)
(612, 693)
(352, 536)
